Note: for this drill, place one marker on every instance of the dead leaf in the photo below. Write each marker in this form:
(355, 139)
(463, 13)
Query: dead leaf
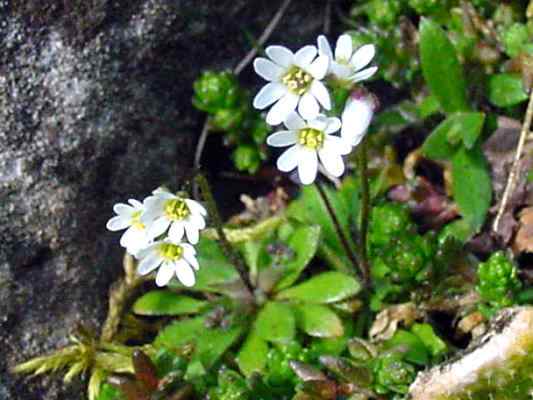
(523, 241)
(387, 321)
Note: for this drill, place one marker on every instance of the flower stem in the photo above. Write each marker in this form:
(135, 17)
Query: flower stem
(365, 209)
(338, 228)
(228, 250)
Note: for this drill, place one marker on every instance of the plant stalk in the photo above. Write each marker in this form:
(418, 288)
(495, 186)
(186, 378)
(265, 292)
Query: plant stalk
(340, 233)
(227, 248)
(365, 210)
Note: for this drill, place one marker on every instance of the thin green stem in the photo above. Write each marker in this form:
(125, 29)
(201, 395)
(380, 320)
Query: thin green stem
(227, 248)
(340, 233)
(365, 209)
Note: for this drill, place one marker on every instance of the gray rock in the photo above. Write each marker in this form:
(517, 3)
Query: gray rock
(95, 108)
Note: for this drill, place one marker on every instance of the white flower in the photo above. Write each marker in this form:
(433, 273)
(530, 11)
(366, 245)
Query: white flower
(129, 217)
(172, 259)
(356, 117)
(164, 210)
(294, 81)
(347, 64)
(311, 140)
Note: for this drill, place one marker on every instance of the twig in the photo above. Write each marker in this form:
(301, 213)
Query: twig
(365, 209)
(198, 155)
(227, 248)
(338, 229)
(513, 175)
(263, 38)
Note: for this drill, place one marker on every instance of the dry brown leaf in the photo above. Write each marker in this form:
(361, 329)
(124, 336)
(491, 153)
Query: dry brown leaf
(523, 241)
(387, 321)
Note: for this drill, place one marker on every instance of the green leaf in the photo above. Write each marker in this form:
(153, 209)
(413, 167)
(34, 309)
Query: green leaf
(471, 186)
(427, 335)
(215, 269)
(441, 68)
(506, 90)
(166, 302)
(304, 241)
(442, 143)
(180, 333)
(328, 287)
(318, 320)
(413, 348)
(109, 392)
(309, 209)
(253, 355)
(275, 323)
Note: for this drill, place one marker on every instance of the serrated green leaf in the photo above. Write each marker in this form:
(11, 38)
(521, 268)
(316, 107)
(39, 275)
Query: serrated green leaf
(215, 269)
(304, 242)
(472, 189)
(253, 355)
(441, 68)
(459, 127)
(275, 323)
(506, 90)
(166, 302)
(318, 321)
(328, 287)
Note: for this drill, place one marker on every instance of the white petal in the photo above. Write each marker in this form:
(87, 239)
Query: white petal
(269, 94)
(118, 223)
(196, 220)
(267, 69)
(363, 56)
(364, 74)
(321, 94)
(149, 263)
(158, 227)
(339, 145)
(341, 71)
(191, 259)
(135, 203)
(324, 49)
(332, 161)
(318, 123)
(188, 249)
(193, 234)
(305, 56)
(288, 160)
(282, 109)
(163, 194)
(307, 166)
(185, 273)
(356, 118)
(308, 106)
(344, 48)
(133, 238)
(196, 207)
(123, 209)
(147, 250)
(153, 209)
(319, 68)
(175, 234)
(282, 138)
(333, 125)
(294, 122)
(280, 55)
(165, 274)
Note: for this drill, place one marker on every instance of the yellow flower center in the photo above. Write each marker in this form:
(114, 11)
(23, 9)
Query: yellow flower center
(297, 80)
(136, 221)
(176, 209)
(311, 138)
(170, 252)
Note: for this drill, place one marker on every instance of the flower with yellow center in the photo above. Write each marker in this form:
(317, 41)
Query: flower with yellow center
(294, 82)
(180, 216)
(129, 217)
(347, 64)
(171, 259)
(311, 142)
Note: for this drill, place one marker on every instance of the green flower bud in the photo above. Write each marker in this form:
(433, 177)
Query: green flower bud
(227, 119)
(498, 280)
(215, 90)
(392, 374)
(388, 221)
(246, 158)
(384, 13)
